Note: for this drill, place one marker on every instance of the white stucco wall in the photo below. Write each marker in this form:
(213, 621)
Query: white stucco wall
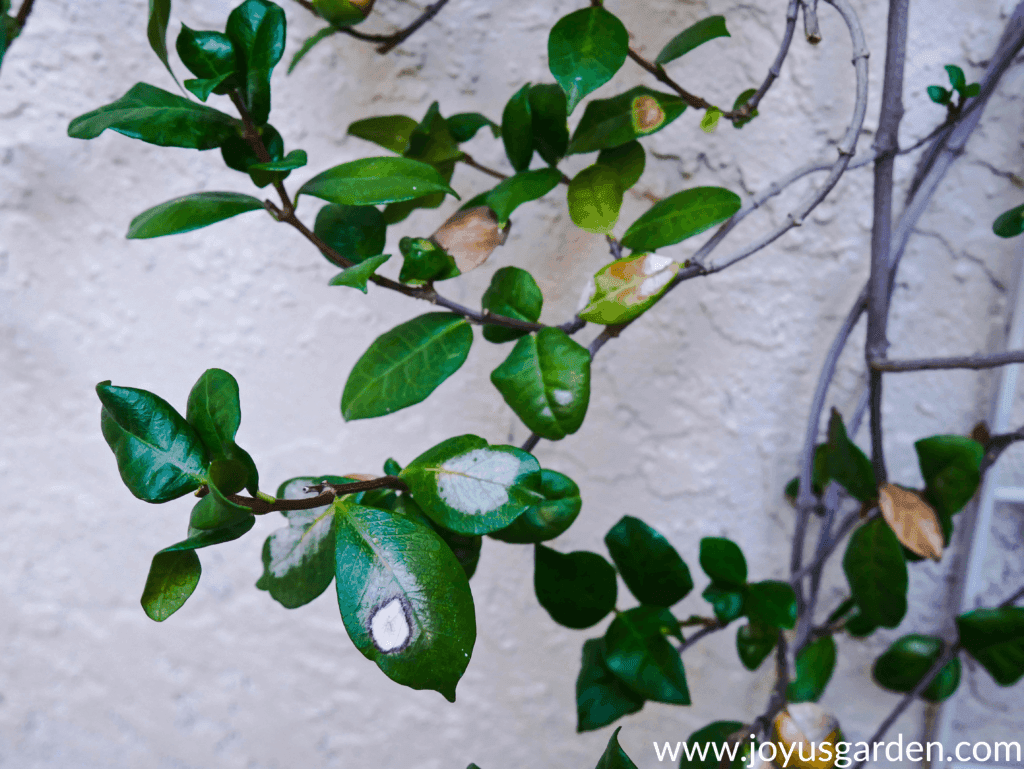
(695, 421)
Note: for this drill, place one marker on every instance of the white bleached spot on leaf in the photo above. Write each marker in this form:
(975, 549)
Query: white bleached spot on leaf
(477, 482)
(655, 263)
(562, 397)
(656, 282)
(290, 546)
(389, 626)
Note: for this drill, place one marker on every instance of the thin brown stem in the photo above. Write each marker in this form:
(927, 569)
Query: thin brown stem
(469, 161)
(387, 43)
(976, 362)
(22, 16)
(328, 491)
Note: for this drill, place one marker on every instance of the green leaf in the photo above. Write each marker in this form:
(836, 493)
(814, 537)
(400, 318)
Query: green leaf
(628, 287)
(552, 516)
(257, 28)
(548, 115)
(1010, 223)
(846, 464)
(157, 117)
(214, 410)
(216, 512)
(308, 44)
(343, 13)
(472, 488)
(358, 275)
(951, 466)
(172, 579)
(814, 666)
(723, 561)
(754, 642)
(608, 123)
(771, 603)
(681, 216)
(190, 212)
(939, 95)
(241, 156)
(614, 756)
(425, 261)
(371, 181)
(521, 188)
(742, 99)
(391, 132)
(291, 161)
(876, 569)
(709, 122)
(601, 698)
(577, 589)
(995, 638)
(159, 455)
(585, 49)
(956, 78)
(906, 662)
(517, 129)
(202, 89)
(403, 596)
(595, 197)
(972, 90)
(200, 538)
(627, 159)
(156, 31)
(546, 382)
(404, 365)
(355, 232)
(391, 467)
(464, 126)
(431, 141)
(513, 293)
(208, 55)
(708, 743)
(651, 568)
(691, 37)
(642, 658)
(726, 601)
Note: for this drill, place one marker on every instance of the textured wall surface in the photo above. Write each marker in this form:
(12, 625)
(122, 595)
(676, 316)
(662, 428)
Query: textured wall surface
(695, 421)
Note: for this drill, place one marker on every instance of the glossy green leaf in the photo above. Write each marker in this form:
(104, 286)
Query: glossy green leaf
(638, 653)
(651, 568)
(425, 261)
(957, 79)
(157, 117)
(876, 569)
(202, 89)
(172, 580)
(548, 115)
(156, 32)
(595, 197)
(628, 287)
(403, 596)
(814, 666)
(291, 161)
(472, 488)
(465, 125)
(709, 122)
(555, 512)
(939, 95)
(577, 589)
(723, 561)
(391, 467)
(995, 638)
(371, 181)
(343, 13)
(546, 382)
(742, 99)
(358, 275)
(585, 49)
(691, 37)
(159, 455)
(308, 44)
(627, 159)
(257, 28)
(513, 293)
(517, 129)
(208, 55)
(614, 756)
(726, 601)
(906, 662)
(240, 155)
(391, 132)
(951, 467)
(213, 409)
(1010, 223)
(190, 212)
(754, 642)
(404, 365)
(465, 547)
(215, 511)
(601, 697)
(681, 216)
(355, 232)
(846, 464)
(521, 188)
(707, 745)
(431, 141)
(200, 538)
(771, 603)
(608, 123)
(972, 90)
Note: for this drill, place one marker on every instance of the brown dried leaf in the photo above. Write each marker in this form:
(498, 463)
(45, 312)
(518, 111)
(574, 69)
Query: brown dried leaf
(362, 477)
(470, 236)
(913, 521)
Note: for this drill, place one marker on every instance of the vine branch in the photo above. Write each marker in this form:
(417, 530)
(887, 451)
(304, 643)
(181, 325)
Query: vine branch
(391, 41)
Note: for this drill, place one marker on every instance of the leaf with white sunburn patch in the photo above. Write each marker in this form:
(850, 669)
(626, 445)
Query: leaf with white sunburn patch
(472, 488)
(470, 236)
(628, 287)
(403, 597)
(913, 521)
